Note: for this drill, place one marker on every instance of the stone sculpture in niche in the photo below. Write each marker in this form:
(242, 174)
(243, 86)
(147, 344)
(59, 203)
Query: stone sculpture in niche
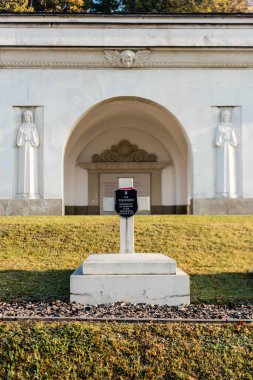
(127, 58)
(124, 152)
(226, 141)
(28, 142)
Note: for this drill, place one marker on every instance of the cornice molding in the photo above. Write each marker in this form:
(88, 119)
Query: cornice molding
(123, 166)
(117, 18)
(157, 58)
(99, 65)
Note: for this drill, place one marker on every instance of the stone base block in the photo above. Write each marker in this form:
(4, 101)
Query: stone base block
(160, 289)
(136, 263)
(27, 207)
(238, 206)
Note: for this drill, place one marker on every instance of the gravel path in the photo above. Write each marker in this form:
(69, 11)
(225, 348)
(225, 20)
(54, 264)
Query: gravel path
(123, 310)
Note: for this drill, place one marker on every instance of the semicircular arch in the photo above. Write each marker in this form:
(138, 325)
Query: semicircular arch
(140, 121)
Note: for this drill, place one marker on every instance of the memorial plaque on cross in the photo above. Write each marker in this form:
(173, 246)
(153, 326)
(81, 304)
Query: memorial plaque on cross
(126, 203)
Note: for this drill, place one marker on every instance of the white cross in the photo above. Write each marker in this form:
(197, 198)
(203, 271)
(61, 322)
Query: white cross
(126, 224)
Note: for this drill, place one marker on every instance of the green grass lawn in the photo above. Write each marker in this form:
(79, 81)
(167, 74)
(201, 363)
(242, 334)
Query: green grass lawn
(38, 254)
(56, 351)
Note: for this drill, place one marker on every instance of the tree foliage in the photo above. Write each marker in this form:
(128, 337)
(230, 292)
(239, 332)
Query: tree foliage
(105, 6)
(15, 6)
(219, 6)
(42, 5)
(127, 6)
(186, 6)
(58, 5)
(142, 6)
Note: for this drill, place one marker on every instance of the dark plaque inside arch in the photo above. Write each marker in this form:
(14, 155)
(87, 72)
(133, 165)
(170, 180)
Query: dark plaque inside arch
(126, 204)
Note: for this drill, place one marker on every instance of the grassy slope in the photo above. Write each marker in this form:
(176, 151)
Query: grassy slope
(37, 255)
(111, 351)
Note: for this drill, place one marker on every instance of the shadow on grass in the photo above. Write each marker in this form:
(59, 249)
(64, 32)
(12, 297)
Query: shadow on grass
(222, 288)
(21, 285)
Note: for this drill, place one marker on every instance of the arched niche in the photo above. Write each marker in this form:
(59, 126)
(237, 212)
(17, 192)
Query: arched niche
(144, 124)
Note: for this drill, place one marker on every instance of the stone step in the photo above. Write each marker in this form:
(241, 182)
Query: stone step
(129, 264)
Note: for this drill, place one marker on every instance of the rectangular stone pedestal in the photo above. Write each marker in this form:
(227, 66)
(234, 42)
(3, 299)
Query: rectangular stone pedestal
(132, 278)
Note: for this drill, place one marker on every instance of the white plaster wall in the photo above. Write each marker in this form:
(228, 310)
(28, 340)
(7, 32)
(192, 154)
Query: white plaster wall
(6, 151)
(66, 95)
(169, 197)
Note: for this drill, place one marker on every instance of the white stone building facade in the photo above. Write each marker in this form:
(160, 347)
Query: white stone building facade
(165, 100)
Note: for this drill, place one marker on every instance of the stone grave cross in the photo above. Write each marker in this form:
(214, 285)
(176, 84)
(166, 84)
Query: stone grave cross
(126, 224)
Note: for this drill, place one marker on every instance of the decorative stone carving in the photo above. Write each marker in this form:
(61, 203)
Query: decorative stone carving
(28, 142)
(124, 152)
(127, 58)
(101, 65)
(81, 57)
(226, 141)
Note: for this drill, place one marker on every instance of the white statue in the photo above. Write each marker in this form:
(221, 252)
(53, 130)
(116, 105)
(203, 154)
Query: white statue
(226, 142)
(127, 58)
(28, 142)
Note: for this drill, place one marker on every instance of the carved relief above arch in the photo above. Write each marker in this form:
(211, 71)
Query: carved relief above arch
(124, 152)
(122, 159)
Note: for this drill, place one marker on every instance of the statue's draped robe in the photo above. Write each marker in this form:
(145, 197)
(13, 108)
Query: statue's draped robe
(226, 141)
(28, 141)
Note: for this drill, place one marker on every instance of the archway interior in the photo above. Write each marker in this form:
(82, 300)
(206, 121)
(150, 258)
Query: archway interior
(142, 123)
